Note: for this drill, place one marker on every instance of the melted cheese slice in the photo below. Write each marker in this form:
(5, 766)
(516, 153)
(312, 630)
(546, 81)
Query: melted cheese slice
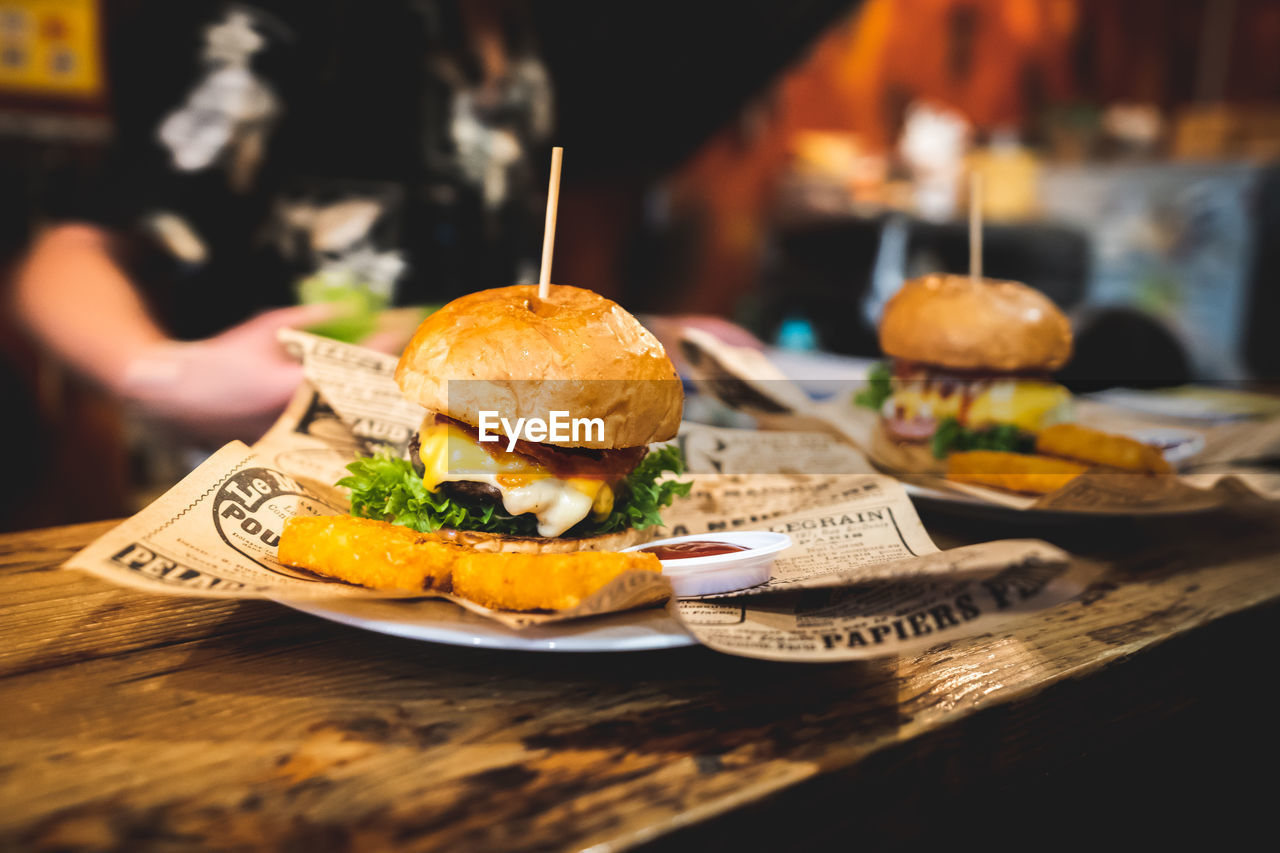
(1031, 406)
(450, 455)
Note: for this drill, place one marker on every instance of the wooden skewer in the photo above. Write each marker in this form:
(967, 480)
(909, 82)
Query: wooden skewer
(975, 226)
(549, 231)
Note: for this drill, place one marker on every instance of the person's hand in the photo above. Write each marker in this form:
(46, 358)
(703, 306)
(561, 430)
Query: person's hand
(667, 329)
(232, 385)
(394, 329)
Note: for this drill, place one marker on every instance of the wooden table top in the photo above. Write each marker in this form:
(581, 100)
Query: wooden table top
(133, 721)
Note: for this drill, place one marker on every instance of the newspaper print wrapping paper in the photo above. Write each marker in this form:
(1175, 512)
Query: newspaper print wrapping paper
(1221, 475)
(862, 580)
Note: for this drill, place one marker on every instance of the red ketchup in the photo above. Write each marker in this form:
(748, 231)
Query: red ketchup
(687, 550)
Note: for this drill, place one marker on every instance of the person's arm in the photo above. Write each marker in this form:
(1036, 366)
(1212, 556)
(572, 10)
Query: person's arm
(79, 304)
(75, 301)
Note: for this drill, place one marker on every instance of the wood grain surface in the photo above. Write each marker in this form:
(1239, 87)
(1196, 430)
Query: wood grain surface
(130, 721)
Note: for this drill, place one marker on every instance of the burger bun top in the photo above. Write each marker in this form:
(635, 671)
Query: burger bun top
(525, 357)
(955, 322)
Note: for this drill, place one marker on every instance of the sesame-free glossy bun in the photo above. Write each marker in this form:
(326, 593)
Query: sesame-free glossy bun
(574, 351)
(953, 321)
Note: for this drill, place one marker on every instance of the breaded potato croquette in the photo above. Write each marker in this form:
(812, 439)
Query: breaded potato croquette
(542, 581)
(380, 555)
(1017, 472)
(1101, 448)
(370, 553)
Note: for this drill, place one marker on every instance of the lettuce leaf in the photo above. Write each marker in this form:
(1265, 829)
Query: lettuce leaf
(387, 488)
(951, 436)
(643, 494)
(879, 387)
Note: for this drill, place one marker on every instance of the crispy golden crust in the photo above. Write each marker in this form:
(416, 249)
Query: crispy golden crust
(542, 581)
(575, 352)
(1101, 448)
(385, 556)
(952, 321)
(1016, 472)
(367, 552)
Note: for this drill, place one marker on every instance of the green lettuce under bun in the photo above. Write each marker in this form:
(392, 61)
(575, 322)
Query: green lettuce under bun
(879, 387)
(951, 437)
(386, 487)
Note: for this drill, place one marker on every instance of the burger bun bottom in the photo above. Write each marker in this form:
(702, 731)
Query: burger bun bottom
(502, 543)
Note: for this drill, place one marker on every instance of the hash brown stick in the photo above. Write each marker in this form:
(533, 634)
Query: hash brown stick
(1017, 472)
(542, 581)
(1101, 448)
(370, 553)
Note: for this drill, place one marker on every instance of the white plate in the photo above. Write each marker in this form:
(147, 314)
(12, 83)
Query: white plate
(1179, 445)
(440, 621)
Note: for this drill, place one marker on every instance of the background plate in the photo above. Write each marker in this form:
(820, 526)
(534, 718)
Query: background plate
(954, 503)
(443, 622)
(1180, 444)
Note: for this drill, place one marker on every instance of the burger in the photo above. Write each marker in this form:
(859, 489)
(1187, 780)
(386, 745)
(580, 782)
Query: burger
(971, 360)
(539, 416)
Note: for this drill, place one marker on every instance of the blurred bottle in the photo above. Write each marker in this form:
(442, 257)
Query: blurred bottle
(1133, 131)
(933, 146)
(797, 334)
(351, 270)
(1010, 177)
(360, 304)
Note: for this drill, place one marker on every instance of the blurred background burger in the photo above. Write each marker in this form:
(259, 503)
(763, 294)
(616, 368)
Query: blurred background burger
(971, 360)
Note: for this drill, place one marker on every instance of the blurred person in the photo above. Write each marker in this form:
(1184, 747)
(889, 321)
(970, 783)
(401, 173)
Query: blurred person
(258, 146)
(1120, 346)
(77, 301)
